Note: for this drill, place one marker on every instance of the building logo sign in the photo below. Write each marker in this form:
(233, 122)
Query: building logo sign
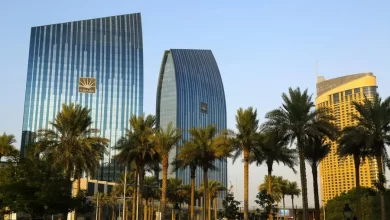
(87, 85)
(203, 107)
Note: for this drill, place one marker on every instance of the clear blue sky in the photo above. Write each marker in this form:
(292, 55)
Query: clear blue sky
(262, 48)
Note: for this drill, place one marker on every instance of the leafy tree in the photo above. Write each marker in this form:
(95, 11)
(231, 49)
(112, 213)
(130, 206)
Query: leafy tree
(299, 118)
(34, 184)
(267, 203)
(353, 142)
(230, 207)
(247, 125)
(374, 119)
(315, 151)
(6, 145)
(165, 140)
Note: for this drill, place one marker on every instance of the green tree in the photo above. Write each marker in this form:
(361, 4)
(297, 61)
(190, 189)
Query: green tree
(273, 149)
(137, 147)
(293, 190)
(208, 146)
(230, 207)
(276, 187)
(315, 151)
(298, 118)
(72, 144)
(165, 140)
(247, 125)
(32, 185)
(150, 192)
(177, 192)
(353, 142)
(6, 145)
(267, 202)
(373, 117)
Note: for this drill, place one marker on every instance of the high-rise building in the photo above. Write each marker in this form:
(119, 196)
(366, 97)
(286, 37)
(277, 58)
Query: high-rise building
(337, 174)
(190, 94)
(97, 63)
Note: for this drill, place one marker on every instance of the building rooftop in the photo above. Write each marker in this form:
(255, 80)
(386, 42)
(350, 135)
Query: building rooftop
(325, 85)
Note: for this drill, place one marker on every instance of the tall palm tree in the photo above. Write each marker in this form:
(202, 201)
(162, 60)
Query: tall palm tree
(374, 118)
(184, 159)
(208, 146)
(273, 149)
(293, 190)
(353, 142)
(165, 140)
(316, 150)
(177, 192)
(247, 125)
(6, 145)
(299, 119)
(215, 187)
(137, 147)
(276, 190)
(284, 191)
(72, 143)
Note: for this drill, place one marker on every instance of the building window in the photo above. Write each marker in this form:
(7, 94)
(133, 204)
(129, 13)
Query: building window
(369, 90)
(348, 92)
(356, 91)
(335, 98)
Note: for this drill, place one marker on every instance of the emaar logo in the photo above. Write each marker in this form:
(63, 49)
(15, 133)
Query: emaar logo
(87, 85)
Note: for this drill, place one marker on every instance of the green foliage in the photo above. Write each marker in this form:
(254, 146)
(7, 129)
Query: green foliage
(31, 184)
(230, 207)
(266, 202)
(370, 204)
(6, 146)
(276, 187)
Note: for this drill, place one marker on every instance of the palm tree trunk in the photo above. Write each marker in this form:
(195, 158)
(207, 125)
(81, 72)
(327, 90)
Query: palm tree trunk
(210, 204)
(269, 188)
(302, 168)
(141, 184)
(145, 210)
(133, 211)
(356, 159)
(382, 194)
(246, 181)
(152, 214)
(164, 184)
(113, 213)
(205, 194)
(284, 209)
(99, 212)
(193, 170)
(315, 187)
(173, 214)
(215, 208)
(293, 208)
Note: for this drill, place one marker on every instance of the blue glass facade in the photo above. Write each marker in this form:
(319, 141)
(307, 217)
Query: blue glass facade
(190, 94)
(97, 63)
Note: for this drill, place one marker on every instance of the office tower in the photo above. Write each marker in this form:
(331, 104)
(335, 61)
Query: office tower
(190, 94)
(97, 63)
(337, 174)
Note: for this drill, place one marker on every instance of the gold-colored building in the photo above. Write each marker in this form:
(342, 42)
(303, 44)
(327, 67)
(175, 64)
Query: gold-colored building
(337, 174)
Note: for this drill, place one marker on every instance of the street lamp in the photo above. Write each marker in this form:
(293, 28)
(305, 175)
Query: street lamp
(347, 212)
(176, 209)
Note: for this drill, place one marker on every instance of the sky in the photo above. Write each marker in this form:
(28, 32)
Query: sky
(262, 48)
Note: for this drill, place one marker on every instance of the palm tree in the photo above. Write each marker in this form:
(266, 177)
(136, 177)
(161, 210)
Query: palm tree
(315, 151)
(215, 187)
(293, 190)
(247, 125)
(72, 143)
(185, 159)
(276, 184)
(284, 191)
(177, 192)
(100, 200)
(374, 118)
(165, 140)
(137, 148)
(353, 142)
(6, 145)
(150, 192)
(298, 118)
(206, 147)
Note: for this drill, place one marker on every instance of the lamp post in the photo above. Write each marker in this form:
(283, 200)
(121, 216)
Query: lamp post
(347, 212)
(177, 210)
(44, 214)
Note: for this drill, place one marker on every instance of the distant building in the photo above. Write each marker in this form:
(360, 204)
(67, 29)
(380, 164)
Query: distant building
(190, 94)
(337, 174)
(97, 63)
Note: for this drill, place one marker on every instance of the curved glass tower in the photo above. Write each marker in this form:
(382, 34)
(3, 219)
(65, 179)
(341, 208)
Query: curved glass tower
(190, 94)
(97, 63)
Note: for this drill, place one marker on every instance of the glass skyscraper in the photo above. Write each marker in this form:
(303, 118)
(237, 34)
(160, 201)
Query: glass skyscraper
(190, 94)
(97, 63)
